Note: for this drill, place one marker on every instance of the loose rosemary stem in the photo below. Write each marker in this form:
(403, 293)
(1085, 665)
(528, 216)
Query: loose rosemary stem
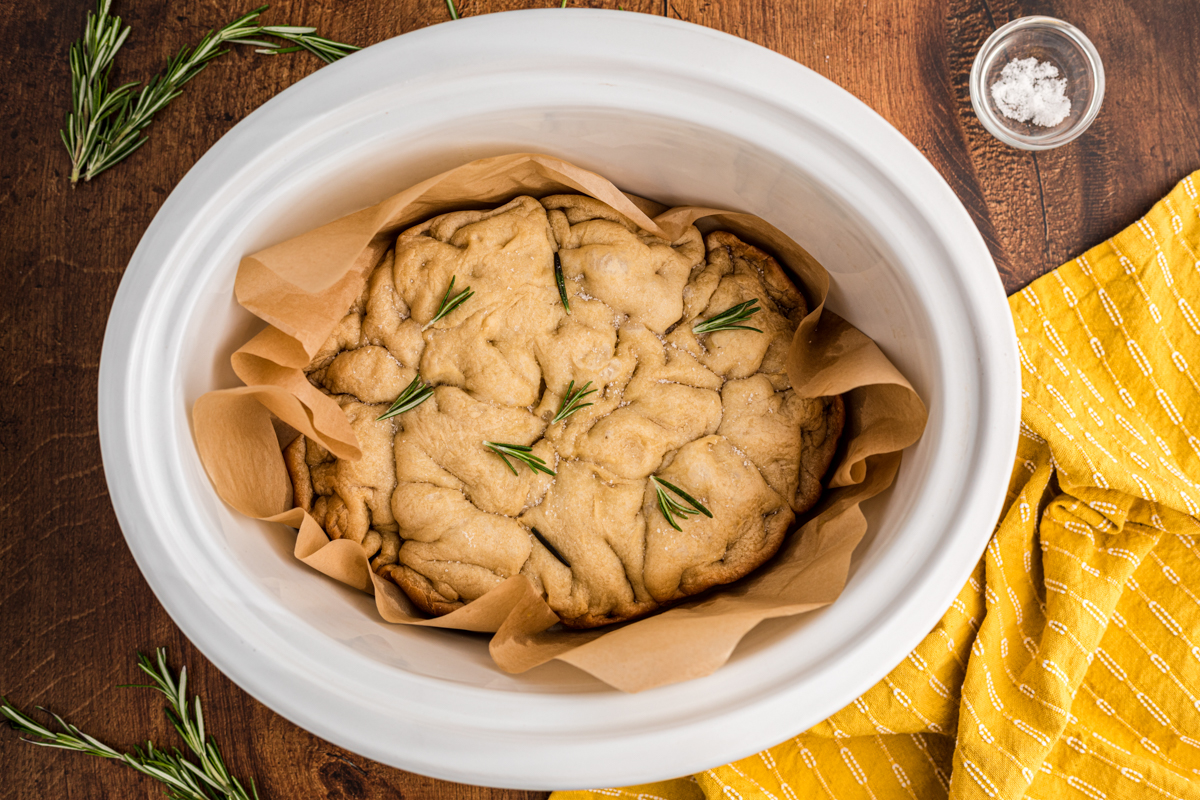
(106, 126)
(208, 778)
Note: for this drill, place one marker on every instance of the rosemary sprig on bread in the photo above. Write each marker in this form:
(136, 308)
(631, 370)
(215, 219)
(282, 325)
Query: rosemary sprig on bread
(449, 303)
(730, 319)
(414, 394)
(522, 453)
(670, 507)
(562, 284)
(571, 402)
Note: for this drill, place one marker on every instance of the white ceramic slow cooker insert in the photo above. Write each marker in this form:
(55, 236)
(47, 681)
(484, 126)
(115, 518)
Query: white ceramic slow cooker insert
(668, 110)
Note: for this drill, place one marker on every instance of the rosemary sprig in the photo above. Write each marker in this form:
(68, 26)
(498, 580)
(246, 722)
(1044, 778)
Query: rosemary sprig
(521, 452)
(302, 37)
(450, 303)
(558, 278)
(208, 780)
(571, 402)
(730, 319)
(670, 506)
(414, 394)
(106, 126)
(92, 104)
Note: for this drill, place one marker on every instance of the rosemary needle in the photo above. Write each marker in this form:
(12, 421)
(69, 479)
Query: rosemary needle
(415, 393)
(206, 778)
(453, 10)
(450, 303)
(730, 319)
(521, 452)
(571, 402)
(562, 285)
(670, 506)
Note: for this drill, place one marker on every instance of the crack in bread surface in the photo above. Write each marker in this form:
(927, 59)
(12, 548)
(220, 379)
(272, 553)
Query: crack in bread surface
(440, 514)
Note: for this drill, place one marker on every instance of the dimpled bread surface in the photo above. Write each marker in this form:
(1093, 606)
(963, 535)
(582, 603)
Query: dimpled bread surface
(714, 414)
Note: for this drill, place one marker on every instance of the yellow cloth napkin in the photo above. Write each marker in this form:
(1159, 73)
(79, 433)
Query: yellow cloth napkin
(1069, 665)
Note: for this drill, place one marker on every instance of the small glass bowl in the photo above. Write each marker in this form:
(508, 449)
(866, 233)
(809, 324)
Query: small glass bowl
(1046, 39)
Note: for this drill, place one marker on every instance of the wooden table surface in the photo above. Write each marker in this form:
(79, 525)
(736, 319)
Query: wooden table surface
(75, 606)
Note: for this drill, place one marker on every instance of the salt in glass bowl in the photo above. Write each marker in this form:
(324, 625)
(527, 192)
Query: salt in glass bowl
(1050, 40)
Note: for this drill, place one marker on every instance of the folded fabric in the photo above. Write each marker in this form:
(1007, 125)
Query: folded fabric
(1069, 664)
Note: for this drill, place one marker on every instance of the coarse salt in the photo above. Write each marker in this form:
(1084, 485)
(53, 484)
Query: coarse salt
(1031, 91)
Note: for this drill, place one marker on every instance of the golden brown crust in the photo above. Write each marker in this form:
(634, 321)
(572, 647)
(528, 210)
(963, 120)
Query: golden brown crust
(297, 467)
(821, 444)
(712, 412)
(420, 590)
(586, 621)
(775, 280)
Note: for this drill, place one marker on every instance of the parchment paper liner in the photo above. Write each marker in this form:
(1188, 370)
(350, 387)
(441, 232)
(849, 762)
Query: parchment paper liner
(303, 286)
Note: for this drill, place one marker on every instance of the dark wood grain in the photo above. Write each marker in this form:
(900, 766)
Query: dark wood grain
(75, 606)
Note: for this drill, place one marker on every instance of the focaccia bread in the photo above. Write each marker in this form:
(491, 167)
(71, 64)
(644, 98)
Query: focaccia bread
(711, 414)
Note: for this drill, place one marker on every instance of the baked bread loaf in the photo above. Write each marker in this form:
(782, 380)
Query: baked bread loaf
(710, 414)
